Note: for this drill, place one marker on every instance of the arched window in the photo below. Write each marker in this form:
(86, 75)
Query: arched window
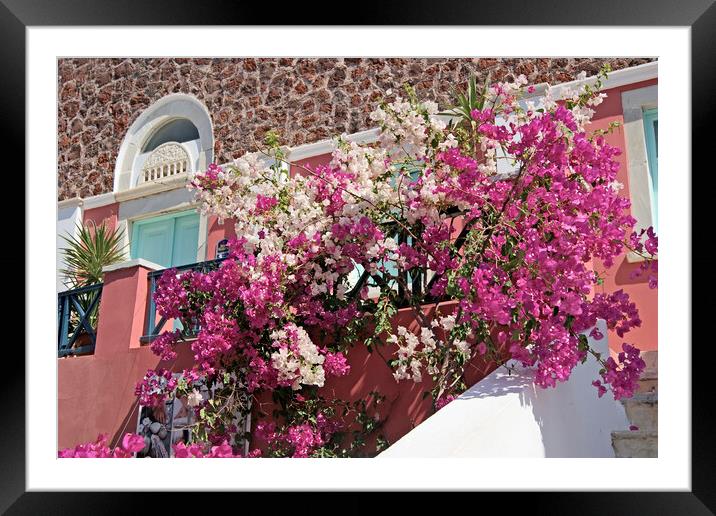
(169, 141)
(179, 130)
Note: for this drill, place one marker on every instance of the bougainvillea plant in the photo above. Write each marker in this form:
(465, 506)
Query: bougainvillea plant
(492, 214)
(131, 443)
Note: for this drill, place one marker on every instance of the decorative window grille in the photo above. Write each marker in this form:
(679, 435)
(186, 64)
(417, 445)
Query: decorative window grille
(167, 160)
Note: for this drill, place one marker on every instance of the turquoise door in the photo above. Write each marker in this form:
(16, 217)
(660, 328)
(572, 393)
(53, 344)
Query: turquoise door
(170, 240)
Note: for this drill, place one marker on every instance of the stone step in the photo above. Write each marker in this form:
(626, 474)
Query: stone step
(648, 384)
(651, 359)
(635, 444)
(642, 410)
(649, 381)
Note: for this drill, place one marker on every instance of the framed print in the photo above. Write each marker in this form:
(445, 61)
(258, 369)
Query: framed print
(350, 266)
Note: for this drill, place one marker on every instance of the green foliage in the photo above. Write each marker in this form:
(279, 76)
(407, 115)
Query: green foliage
(472, 98)
(590, 90)
(357, 422)
(384, 312)
(468, 100)
(93, 248)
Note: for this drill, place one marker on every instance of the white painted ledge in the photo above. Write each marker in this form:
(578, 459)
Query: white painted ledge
(327, 146)
(615, 79)
(153, 187)
(508, 416)
(98, 201)
(137, 262)
(70, 203)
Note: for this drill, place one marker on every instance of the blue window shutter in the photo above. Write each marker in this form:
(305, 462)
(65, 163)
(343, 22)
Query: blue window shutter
(355, 275)
(186, 239)
(152, 241)
(168, 240)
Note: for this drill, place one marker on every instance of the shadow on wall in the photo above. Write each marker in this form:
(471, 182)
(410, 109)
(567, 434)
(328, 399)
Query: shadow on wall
(573, 421)
(507, 415)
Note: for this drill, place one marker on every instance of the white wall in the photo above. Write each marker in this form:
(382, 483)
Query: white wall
(508, 416)
(68, 216)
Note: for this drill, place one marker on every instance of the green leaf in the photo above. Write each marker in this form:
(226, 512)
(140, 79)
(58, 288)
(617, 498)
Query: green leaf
(88, 252)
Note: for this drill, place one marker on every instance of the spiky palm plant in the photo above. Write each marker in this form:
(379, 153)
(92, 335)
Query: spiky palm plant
(467, 101)
(93, 248)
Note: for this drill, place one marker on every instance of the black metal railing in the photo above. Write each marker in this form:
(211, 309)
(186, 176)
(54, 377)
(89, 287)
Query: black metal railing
(415, 283)
(78, 311)
(154, 328)
(409, 283)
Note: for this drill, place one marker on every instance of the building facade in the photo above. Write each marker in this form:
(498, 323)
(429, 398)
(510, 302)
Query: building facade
(133, 132)
(307, 100)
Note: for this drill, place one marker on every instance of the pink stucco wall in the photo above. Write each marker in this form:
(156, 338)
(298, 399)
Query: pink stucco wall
(618, 276)
(96, 392)
(217, 231)
(314, 161)
(104, 214)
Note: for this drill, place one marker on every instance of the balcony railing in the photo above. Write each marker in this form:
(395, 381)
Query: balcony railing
(78, 310)
(412, 284)
(154, 328)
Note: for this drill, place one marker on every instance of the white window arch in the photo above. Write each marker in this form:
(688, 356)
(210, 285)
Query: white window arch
(178, 130)
(172, 138)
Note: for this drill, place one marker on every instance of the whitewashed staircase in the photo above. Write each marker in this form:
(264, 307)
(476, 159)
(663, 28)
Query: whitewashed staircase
(642, 410)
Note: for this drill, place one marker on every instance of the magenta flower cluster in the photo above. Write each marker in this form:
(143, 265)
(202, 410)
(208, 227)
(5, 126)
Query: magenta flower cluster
(131, 443)
(623, 376)
(199, 451)
(155, 387)
(298, 440)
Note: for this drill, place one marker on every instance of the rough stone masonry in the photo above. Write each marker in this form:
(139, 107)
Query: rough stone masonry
(306, 100)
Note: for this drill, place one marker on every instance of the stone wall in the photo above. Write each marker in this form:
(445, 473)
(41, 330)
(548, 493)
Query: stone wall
(306, 100)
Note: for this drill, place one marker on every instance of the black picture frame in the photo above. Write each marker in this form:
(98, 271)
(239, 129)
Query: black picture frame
(700, 15)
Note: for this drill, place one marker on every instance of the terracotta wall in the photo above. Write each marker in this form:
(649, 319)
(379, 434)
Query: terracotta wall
(96, 392)
(107, 214)
(618, 276)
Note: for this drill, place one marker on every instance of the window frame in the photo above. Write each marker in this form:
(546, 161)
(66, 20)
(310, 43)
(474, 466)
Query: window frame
(149, 144)
(651, 115)
(635, 103)
(157, 115)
